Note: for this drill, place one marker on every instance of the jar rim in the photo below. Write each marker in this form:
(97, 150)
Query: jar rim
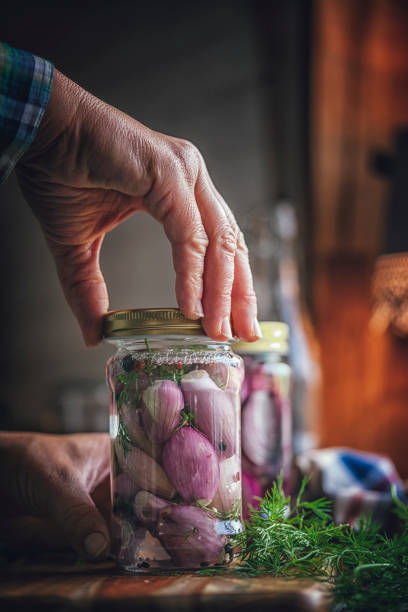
(149, 321)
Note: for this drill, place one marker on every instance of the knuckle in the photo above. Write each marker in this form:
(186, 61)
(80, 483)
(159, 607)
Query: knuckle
(187, 159)
(74, 514)
(196, 242)
(226, 240)
(190, 150)
(199, 244)
(249, 297)
(62, 473)
(223, 295)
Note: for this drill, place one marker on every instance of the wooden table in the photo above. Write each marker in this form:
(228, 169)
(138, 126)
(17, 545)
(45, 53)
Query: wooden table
(61, 586)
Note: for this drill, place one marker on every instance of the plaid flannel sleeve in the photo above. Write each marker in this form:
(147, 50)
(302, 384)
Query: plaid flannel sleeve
(25, 85)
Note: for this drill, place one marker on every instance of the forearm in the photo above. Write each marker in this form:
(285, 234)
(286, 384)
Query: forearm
(25, 85)
(60, 113)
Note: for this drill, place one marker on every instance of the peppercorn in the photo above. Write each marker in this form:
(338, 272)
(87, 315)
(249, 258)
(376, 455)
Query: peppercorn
(128, 363)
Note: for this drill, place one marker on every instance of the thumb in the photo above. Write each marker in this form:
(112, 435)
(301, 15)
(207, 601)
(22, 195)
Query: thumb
(81, 524)
(84, 286)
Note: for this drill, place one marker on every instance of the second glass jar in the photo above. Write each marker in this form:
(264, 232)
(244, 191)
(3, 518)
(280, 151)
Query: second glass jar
(175, 431)
(266, 418)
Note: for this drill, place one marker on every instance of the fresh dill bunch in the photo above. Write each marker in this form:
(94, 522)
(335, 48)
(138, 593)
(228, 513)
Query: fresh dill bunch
(364, 569)
(290, 540)
(377, 578)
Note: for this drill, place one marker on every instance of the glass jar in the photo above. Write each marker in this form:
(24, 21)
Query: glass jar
(175, 432)
(266, 418)
(278, 267)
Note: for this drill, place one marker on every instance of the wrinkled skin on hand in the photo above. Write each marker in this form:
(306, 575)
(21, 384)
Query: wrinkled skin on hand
(91, 167)
(55, 492)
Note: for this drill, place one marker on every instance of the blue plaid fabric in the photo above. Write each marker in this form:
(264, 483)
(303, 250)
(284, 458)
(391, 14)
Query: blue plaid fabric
(25, 85)
(357, 482)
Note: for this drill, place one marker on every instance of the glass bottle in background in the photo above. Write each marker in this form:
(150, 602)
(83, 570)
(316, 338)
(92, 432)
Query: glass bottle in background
(272, 238)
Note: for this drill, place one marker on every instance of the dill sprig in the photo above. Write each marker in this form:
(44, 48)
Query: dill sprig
(284, 539)
(232, 515)
(123, 437)
(364, 570)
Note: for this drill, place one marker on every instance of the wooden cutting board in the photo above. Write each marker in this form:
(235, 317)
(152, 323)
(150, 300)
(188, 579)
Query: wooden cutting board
(61, 587)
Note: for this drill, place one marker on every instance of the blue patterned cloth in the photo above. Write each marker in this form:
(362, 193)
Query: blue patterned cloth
(25, 86)
(358, 483)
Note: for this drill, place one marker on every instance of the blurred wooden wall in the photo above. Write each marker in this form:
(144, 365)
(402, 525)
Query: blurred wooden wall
(359, 96)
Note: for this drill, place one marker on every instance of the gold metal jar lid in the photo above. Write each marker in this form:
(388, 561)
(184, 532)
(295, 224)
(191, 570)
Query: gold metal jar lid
(275, 339)
(149, 321)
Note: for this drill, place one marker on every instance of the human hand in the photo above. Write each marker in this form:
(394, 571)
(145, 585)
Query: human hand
(55, 492)
(90, 167)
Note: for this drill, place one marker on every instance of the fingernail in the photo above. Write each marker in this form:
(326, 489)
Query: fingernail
(198, 309)
(256, 330)
(226, 328)
(95, 543)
